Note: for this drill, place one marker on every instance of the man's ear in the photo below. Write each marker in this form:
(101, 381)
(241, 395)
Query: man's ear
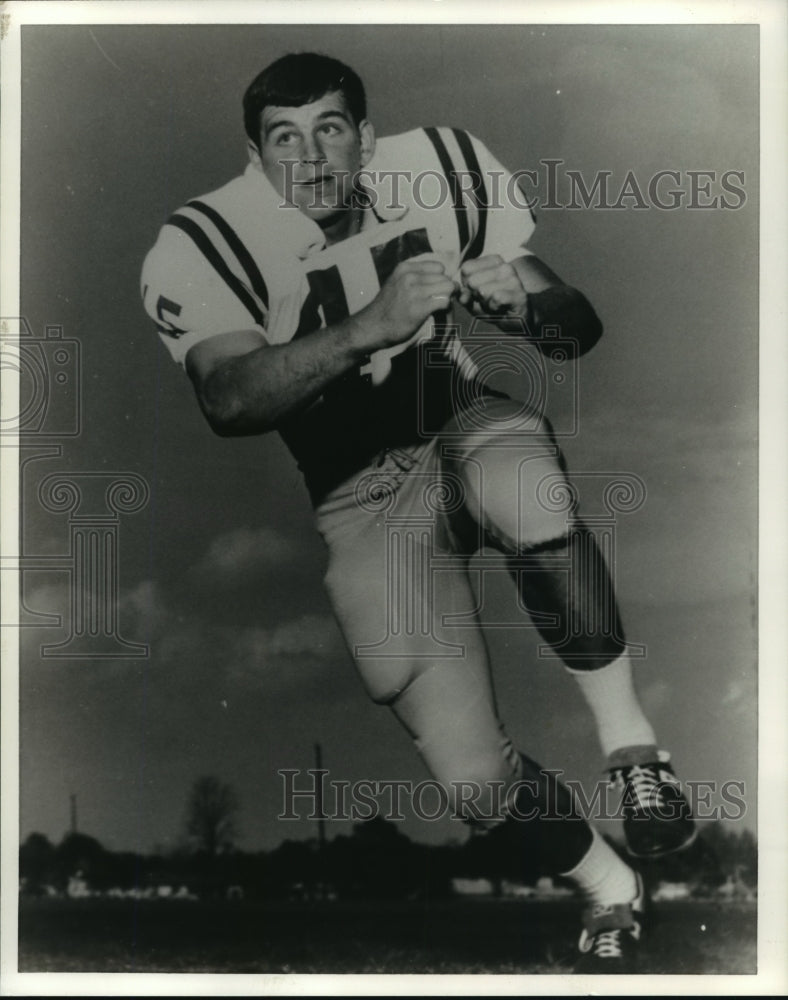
(254, 155)
(367, 136)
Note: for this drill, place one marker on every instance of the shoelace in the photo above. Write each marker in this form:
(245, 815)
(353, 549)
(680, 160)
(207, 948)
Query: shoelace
(607, 944)
(645, 784)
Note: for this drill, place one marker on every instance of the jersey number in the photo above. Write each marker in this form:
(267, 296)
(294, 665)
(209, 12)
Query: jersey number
(327, 293)
(171, 307)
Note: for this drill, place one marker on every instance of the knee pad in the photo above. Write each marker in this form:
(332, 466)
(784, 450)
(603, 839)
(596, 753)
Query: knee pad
(567, 583)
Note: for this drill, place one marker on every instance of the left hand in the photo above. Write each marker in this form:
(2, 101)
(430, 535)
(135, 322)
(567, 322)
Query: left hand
(490, 286)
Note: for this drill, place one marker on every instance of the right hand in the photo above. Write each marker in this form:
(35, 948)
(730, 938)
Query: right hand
(414, 290)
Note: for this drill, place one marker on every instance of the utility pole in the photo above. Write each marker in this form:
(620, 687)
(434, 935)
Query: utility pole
(73, 813)
(321, 821)
(321, 816)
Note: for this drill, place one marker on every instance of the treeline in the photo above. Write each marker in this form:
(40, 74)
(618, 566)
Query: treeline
(375, 860)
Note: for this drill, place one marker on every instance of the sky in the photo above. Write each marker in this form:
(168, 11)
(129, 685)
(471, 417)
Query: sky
(220, 573)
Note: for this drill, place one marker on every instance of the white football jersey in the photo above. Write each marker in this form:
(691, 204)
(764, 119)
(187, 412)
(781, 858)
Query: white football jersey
(241, 258)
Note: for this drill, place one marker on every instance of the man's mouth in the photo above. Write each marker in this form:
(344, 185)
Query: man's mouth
(313, 182)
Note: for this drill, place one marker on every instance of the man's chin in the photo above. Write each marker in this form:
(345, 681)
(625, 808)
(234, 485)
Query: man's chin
(324, 215)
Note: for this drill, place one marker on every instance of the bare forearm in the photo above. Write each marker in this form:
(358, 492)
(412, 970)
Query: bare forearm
(253, 393)
(247, 388)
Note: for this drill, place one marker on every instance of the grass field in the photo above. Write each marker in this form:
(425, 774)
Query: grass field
(452, 936)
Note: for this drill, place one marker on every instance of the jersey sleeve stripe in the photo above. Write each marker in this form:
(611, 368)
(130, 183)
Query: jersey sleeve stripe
(214, 258)
(460, 211)
(479, 191)
(237, 246)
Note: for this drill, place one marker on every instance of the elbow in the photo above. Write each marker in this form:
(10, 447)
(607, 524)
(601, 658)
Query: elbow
(221, 419)
(222, 427)
(231, 422)
(224, 411)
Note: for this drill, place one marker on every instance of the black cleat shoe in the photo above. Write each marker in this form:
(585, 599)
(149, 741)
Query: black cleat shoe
(610, 940)
(657, 817)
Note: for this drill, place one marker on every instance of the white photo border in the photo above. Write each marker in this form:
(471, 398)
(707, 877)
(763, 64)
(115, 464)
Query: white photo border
(772, 16)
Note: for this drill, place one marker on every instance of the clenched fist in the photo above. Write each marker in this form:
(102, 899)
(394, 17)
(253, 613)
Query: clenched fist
(414, 290)
(489, 286)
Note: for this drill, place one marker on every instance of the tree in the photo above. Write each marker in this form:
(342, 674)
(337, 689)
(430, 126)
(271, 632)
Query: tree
(210, 815)
(383, 859)
(36, 862)
(79, 853)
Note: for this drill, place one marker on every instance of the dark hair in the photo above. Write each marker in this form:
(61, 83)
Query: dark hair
(300, 78)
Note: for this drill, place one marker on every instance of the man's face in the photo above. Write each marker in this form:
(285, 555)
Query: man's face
(311, 153)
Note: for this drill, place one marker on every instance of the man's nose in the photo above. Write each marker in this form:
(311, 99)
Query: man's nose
(312, 150)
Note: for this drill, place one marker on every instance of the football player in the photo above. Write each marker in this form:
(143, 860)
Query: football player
(313, 295)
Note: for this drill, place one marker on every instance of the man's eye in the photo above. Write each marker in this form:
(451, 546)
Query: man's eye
(330, 129)
(285, 138)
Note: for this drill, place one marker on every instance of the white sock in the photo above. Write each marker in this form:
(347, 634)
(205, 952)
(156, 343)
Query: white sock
(611, 697)
(602, 876)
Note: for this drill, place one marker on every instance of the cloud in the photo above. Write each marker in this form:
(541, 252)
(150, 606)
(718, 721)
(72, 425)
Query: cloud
(186, 648)
(309, 634)
(144, 604)
(53, 598)
(740, 696)
(189, 649)
(245, 552)
(285, 657)
(656, 695)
